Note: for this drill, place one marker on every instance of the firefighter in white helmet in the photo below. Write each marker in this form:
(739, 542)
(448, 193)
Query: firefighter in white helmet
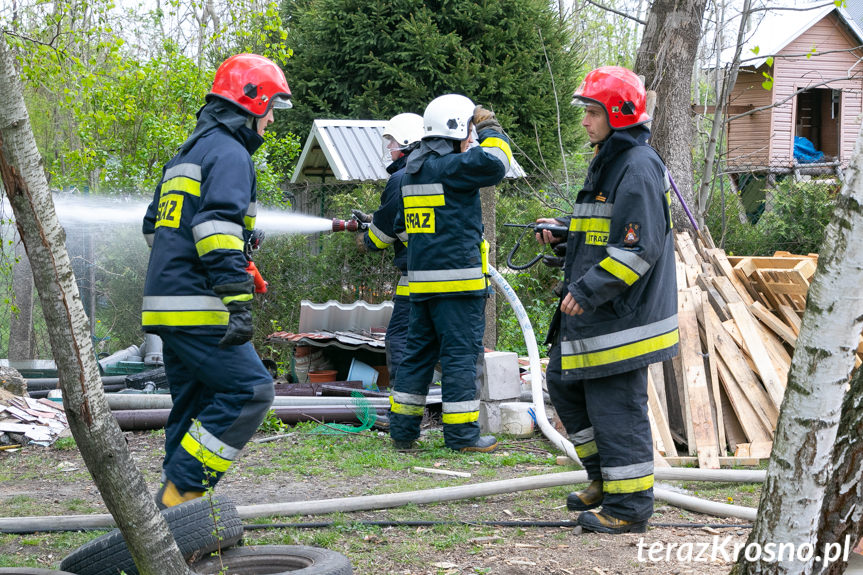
(447, 268)
(401, 136)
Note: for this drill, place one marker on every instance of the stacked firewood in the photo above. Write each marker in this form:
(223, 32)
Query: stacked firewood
(739, 322)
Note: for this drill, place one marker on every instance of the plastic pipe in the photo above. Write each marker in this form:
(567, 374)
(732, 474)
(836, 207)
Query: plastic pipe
(435, 495)
(42, 383)
(548, 430)
(124, 401)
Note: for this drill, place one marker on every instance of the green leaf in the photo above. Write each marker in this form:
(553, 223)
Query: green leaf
(769, 61)
(756, 50)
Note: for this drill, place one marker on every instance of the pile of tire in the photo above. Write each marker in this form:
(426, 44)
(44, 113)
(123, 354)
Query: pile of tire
(203, 527)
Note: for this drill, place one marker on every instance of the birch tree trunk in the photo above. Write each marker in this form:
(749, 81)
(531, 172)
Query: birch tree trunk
(842, 512)
(102, 444)
(666, 59)
(801, 463)
(489, 222)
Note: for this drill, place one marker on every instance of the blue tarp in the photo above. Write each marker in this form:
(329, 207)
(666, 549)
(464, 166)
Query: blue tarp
(805, 152)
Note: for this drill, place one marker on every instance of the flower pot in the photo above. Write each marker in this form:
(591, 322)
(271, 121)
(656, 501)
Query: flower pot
(322, 376)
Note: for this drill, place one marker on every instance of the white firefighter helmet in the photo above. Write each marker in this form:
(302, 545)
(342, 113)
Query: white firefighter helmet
(400, 132)
(448, 116)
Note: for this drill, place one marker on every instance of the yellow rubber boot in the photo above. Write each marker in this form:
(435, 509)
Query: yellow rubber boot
(587, 499)
(169, 496)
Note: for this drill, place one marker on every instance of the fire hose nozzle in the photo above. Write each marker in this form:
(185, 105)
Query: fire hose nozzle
(352, 225)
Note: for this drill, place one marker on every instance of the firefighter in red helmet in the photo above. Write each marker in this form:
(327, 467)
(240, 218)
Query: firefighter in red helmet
(618, 310)
(198, 292)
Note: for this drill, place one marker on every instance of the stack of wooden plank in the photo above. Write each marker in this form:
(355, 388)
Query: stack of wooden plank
(739, 320)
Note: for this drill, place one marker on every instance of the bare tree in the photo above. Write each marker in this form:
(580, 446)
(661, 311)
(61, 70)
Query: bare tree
(802, 460)
(102, 444)
(666, 58)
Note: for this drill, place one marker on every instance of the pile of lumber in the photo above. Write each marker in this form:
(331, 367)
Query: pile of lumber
(739, 321)
(24, 420)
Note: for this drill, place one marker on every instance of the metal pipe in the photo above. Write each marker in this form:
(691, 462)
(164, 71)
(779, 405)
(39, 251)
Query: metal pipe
(125, 401)
(40, 383)
(145, 419)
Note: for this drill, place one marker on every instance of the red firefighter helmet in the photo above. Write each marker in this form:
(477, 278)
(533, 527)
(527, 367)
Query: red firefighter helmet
(620, 93)
(254, 83)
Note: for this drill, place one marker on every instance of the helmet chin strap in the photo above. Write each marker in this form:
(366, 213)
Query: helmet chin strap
(250, 123)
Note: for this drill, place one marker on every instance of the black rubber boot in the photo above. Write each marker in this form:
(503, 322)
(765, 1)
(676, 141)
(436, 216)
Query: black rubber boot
(600, 522)
(586, 499)
(403, 445)
(485, 444)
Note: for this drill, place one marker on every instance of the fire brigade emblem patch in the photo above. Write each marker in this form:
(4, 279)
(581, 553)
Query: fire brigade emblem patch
(630, 238)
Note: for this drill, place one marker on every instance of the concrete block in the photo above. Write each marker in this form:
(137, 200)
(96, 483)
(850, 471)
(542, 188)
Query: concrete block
(489, 417)
(501, 380)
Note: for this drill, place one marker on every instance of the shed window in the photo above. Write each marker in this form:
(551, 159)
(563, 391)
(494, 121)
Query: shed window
(818, 120)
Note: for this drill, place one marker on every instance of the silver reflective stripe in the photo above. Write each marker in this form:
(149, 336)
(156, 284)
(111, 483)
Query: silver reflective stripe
(629, 258)
(214, 227)
(499, 154)
(149, 239)
(598, 210)
(422, 190)
(403, 237)
(403, 281)
(380, 235)
(667, 178)
(618, 338)
(627, 471)
(253, 210)
(212, 443)
(192, 171)
(460, 406)
(408, 398)
(182, 303)
(582, 436)
(444, 275)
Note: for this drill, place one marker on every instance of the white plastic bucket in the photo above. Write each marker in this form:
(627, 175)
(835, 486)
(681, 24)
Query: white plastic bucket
(515, 418)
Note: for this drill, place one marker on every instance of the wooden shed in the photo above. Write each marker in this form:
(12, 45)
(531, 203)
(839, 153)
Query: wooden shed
(813, 58)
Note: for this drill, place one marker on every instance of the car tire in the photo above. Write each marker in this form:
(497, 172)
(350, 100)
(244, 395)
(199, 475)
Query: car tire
(31, 571)
(277, 559)
(191, 524)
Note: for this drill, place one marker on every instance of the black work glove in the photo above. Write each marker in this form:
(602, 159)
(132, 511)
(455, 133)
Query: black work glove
(240, 328)
(362, 216)
(483, 119)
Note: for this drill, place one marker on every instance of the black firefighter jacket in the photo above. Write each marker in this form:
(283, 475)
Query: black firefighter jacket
(202, 213)
(620, 263)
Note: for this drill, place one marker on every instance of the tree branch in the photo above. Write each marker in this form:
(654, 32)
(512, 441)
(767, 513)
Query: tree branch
(782, 101)
(618, 12)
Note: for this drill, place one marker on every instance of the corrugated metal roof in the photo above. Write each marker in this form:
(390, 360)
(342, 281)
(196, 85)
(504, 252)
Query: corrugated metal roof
(357, 325)
(778, 28)
(350, 151)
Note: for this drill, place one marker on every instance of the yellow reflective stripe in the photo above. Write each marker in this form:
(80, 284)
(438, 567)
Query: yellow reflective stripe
(403, 290)
(498, 143)
(182, 184)
(424, 201)
(204, 455)
(668, 199)
(602, 225)
(187, 318)
(218, 242)
(249, 222)
(468, 417)
(377, 241)
(448, 286)
(586, 449)
(239, 297)
(619, 271)
(621, 353)
(628, 485)
(405, 409)
(483, 249)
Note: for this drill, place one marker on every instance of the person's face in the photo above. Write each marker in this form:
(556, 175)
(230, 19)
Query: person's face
(264, 122)
(595, 123)
(394, 149)
(465, 144)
